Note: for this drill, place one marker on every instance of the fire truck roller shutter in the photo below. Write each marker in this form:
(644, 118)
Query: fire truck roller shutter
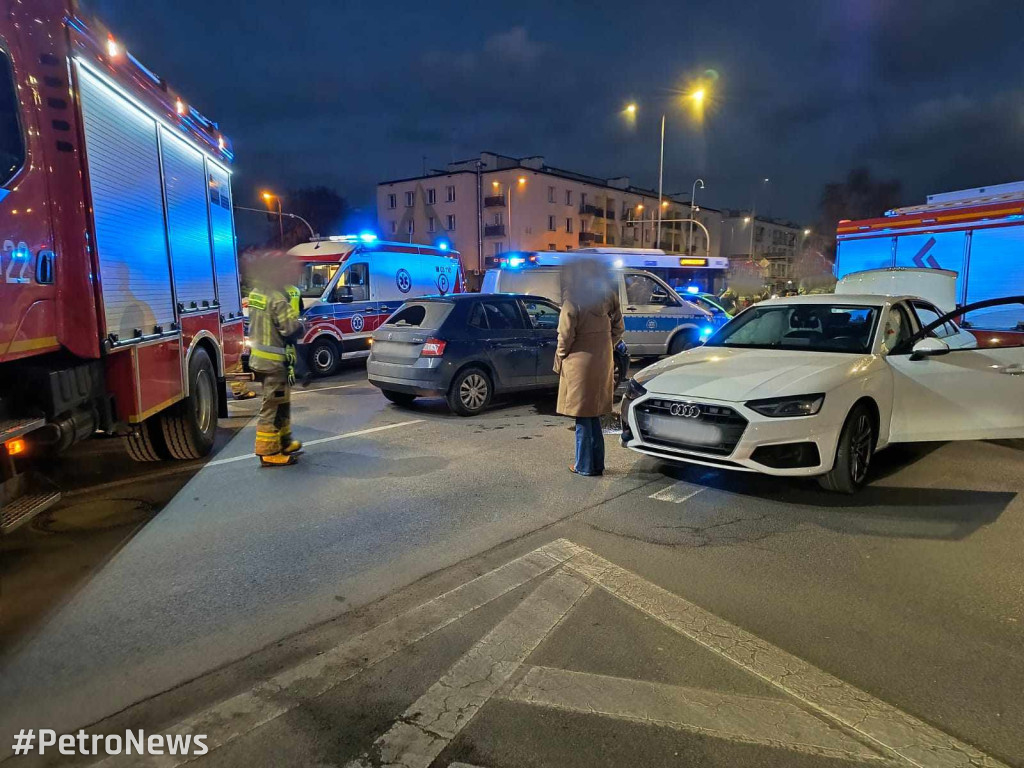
(864, 253)
(223, 228)
(934, 250)
(188, 223)
(996, 269)
(128, 211)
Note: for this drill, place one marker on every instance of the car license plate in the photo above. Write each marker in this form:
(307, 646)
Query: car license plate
(681, 430)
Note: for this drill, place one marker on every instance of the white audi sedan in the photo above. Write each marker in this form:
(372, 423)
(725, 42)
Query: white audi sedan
(815, 385)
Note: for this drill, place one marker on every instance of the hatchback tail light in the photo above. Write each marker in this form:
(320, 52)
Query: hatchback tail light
(433, 348)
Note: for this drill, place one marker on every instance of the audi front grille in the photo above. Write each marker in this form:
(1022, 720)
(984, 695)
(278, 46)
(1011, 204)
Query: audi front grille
(690, 426)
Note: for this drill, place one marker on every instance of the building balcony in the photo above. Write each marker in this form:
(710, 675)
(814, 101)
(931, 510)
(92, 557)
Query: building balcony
(494, 230)
(591, 238)
(494, 201)
(591, 210)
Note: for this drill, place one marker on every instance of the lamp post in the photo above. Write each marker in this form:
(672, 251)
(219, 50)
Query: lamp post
(267, 197)
(697, 97)
(693, 209)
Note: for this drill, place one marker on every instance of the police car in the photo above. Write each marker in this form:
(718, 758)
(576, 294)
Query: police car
(658, 321)
(351, 284)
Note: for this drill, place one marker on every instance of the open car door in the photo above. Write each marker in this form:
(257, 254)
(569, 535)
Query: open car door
(942, 393)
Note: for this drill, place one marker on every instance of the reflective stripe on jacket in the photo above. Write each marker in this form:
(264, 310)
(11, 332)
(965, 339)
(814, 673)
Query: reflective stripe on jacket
(272, 323)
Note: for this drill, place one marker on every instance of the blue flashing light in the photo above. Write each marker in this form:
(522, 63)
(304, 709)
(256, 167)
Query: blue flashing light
(368, 237)
(443, 246)
(706, 331)
(516, 261)
(693, 289)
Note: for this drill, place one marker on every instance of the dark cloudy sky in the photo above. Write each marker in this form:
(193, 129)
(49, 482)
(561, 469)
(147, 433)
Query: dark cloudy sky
(350, 93)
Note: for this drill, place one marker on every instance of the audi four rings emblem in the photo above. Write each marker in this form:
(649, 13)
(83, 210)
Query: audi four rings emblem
(686, 410)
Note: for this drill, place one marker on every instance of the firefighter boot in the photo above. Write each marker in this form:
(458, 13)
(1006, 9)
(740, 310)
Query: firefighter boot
(277, 460)
(290, 446)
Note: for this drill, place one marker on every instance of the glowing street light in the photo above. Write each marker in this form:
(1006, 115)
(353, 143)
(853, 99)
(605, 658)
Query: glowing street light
(631, 109)
(746, 219)
(698, 96)
(807, 232)
(267, 198)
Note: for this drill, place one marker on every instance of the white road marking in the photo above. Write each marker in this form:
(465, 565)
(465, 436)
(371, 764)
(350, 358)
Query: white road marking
(227, 720)
(677, 493)
(446, 708)
(749, 719)
(893, 732)
(430, 724)
(344, 436)
(310, 390)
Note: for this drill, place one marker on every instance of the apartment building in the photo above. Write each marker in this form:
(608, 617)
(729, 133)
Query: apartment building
(774, 244)
(492, 204)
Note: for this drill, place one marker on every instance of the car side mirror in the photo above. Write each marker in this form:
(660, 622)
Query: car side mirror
(929, 347)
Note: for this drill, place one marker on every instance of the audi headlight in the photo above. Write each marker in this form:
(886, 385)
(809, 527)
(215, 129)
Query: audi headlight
(781, 407)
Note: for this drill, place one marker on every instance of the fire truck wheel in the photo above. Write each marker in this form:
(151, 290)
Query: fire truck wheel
(190, 425)
(147, 442)
(323, 356)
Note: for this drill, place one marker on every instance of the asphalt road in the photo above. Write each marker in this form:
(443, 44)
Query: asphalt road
(155, 592)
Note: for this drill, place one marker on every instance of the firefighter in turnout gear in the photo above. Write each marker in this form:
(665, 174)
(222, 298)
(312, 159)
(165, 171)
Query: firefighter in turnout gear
(295, 302)
(273, 327)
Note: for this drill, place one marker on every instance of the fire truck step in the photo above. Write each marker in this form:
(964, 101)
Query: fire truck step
(24, 508)
(12, 428)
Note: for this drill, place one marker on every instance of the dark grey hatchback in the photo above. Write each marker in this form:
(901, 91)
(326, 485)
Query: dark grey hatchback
(466, 348)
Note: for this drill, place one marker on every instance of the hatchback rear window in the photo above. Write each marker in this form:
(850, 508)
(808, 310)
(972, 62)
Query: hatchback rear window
(425, 315)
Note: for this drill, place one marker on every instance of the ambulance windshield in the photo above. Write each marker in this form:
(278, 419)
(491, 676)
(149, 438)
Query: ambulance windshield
(315, 278)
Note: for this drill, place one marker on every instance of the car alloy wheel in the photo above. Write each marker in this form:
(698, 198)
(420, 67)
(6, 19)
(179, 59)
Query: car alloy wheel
(861, 441)
(473, 391)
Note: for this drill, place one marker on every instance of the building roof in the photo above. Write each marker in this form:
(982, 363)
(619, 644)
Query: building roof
(493, 162)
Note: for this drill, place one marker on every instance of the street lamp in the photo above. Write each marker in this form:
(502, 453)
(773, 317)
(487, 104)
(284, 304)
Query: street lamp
(267, 197)
(693, 202)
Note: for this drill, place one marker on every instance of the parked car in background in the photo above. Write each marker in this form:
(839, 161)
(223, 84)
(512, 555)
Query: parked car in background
(467, 348)
(657, 320)
(815, 385)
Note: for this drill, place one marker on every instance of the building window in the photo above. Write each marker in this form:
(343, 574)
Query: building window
(392, 201)
(551, 194)
(394, 227)
(552, 247)
(583, 198)
(431, 196)
(450, 224)
(568, 225)
(450, 194)
(552, 226)
(410, 199)
(412, 227)
(499, 219)
(568, 197)
(499, 248)
(584, 225)
(431, 226)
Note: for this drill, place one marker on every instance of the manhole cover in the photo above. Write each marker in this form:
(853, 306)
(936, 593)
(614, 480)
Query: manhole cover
(97, 515)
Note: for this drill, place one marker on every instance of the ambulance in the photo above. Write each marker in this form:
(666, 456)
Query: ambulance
(352, 283)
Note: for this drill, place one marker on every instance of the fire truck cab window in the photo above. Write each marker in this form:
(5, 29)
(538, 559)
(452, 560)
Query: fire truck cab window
(12, 141)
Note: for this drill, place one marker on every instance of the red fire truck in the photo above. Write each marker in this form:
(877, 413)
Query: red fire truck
(119, 298)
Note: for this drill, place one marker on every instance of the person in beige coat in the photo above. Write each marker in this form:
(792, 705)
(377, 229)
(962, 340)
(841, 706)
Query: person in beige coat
(589, 327)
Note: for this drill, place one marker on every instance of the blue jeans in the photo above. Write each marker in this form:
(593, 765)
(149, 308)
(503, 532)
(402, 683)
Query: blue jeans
(589, 445)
